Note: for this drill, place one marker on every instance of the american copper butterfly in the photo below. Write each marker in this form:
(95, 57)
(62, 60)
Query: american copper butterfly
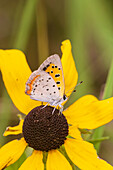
(47, 83)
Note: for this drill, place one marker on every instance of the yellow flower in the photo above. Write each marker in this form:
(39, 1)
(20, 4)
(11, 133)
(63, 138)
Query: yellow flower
(86, 113)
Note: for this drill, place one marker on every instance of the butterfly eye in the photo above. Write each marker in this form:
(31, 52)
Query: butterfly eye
(64, 97)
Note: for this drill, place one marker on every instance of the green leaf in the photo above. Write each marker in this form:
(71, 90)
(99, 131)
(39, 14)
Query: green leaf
(18, 163)
(95, 141)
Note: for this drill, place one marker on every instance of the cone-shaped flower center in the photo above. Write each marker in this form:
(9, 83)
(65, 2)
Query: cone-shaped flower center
(43, 130)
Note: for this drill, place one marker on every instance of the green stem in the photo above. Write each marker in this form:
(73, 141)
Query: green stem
(25, 25)
(109, 83)
(45, 154)
(42, 33)
(98, 140)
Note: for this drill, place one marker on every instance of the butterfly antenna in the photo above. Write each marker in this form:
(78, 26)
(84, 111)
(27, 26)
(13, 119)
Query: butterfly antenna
(74, 87)
(79, 83)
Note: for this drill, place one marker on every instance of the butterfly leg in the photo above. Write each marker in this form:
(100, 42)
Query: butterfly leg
(61, 109)
(54, 110)
(44, 106)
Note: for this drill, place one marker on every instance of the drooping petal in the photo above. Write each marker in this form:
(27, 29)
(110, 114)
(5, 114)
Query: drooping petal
(14, 130)
(57, 161)
(11, 152)
(34, 162)
(15, 72)
(74, 132)
(84, 155)
(69, 69)
(89, 113)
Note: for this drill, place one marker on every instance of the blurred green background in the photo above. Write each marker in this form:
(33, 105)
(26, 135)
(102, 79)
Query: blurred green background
(37, 27)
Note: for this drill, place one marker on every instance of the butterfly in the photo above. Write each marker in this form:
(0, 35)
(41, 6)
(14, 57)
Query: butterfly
(47, 83)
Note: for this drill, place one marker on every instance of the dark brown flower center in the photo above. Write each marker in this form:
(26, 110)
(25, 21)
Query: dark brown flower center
(43, 130)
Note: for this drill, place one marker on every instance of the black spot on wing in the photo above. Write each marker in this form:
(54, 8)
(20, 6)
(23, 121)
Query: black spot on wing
(34, 90)
(57, 75)
(48, 65)
(58, 82)
(44, 68)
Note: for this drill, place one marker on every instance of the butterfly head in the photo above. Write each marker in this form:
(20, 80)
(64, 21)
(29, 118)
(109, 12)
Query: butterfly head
(65, 97)
(59, 102)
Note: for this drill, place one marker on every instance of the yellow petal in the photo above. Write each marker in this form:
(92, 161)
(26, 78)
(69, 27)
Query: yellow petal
(33, 162)
(83, 155)
(56, 161)
(14, 130)
(15, 72)
(11, 152)
(105, 166)
(74, 132)
(88, 112)
(69, 69)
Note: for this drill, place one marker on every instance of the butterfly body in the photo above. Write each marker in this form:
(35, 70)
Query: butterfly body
(47, 83)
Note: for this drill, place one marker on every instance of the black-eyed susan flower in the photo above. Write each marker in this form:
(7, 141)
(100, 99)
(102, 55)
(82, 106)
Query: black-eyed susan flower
(44, 131)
